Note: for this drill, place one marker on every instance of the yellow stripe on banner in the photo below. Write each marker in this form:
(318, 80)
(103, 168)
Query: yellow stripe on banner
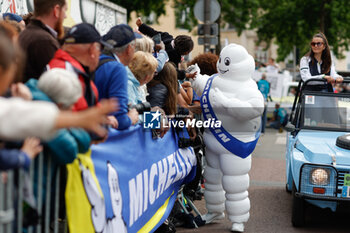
(156, 217)
(78, 206)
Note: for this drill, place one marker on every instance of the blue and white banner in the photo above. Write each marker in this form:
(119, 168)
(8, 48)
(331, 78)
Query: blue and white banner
(128, 183)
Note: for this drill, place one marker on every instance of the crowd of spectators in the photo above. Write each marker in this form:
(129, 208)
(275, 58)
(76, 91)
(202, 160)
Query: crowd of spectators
(61, 89)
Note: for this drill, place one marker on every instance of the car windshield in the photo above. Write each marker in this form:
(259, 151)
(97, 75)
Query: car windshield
(326, 111)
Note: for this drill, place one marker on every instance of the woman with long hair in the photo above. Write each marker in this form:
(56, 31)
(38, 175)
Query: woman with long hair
(317, 63)
(163, 89)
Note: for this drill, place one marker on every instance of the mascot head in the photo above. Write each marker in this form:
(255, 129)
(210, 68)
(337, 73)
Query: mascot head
(235, 63)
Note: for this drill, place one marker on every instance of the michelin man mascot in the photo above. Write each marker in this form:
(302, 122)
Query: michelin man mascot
(232, 97)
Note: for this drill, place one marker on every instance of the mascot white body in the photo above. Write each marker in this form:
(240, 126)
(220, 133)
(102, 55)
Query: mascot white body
(238, 104)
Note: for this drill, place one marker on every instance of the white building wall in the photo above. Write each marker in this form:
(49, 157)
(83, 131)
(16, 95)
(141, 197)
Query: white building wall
(101, 13)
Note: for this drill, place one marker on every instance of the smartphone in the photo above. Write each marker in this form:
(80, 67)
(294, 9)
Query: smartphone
(157, 38)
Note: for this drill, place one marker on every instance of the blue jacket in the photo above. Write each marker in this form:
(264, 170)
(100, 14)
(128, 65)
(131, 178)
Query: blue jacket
(13, 159)
(162, 58)
(111, 80)
(133, 89)
(67, 143)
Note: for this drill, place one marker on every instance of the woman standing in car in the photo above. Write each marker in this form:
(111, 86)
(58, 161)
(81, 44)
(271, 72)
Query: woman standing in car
(317, 63)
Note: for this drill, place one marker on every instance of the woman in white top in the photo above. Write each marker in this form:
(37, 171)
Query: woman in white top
(318, 64)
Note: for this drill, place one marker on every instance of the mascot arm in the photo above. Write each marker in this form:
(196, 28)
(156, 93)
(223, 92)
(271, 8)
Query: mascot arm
(199, 81)
(250, 108)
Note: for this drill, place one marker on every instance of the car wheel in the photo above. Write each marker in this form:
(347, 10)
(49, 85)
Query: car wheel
(298, 210)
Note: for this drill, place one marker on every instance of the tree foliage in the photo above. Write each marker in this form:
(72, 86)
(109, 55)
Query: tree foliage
(295, 22)
(143, 7)
(184, 14)
(287, 23)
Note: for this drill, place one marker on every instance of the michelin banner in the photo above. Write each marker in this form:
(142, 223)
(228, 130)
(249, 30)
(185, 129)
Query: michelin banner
(128, 183)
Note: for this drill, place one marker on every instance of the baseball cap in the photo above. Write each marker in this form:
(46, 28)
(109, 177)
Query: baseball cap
(121, 34)
(84, 33)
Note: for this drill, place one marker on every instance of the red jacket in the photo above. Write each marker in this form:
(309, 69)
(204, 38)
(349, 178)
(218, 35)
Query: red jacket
(90, 93)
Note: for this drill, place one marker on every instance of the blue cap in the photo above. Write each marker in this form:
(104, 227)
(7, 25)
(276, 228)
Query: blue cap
(120, 35)
(11, 16)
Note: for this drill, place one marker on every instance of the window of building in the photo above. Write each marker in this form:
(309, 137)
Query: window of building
(261, 54)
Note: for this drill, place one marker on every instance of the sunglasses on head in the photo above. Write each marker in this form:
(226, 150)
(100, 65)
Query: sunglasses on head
(316, 44)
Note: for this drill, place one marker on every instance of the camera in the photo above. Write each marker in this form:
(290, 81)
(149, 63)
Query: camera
(142, 107)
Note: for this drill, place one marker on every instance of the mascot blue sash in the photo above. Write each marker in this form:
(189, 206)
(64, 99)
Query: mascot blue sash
(232, 144)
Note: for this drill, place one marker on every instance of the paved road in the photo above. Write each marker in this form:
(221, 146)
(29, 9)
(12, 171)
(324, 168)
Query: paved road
(270, 204)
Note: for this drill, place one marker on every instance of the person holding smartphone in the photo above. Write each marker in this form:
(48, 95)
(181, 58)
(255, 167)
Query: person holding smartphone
(176, 48)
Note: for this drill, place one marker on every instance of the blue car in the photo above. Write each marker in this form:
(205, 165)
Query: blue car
(318, 150)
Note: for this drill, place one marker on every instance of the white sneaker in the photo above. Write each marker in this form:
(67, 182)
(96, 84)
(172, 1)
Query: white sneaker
(210, 217)
(237, 227)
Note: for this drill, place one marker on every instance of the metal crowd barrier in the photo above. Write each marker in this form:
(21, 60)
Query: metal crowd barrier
(11, 199)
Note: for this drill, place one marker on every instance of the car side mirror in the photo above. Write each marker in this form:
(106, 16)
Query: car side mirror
(289, 127)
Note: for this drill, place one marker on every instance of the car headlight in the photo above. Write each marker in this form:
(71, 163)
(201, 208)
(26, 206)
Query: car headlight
(319, 176)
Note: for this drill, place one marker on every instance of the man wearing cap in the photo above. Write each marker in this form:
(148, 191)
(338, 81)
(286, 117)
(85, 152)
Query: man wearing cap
(111, 76)
(39, 39)
(80, 53)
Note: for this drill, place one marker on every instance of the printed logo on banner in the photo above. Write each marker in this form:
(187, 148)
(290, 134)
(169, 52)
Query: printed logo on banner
(151, 120)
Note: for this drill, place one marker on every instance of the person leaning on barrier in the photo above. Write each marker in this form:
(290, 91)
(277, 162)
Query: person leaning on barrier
(80, 53)
(20, 119)
(163, 90)
(143, 43)
(175, 48)
(317, 63)
(111, 76)
(143, 65)
(63, 88)
(39, 39)
(146, 44)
